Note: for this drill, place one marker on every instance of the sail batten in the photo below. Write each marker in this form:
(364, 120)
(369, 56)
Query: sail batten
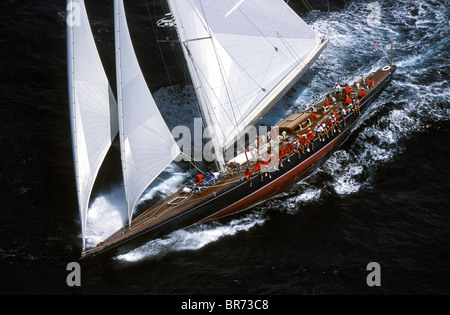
(147, 145)
(93, 108)
(244, 55)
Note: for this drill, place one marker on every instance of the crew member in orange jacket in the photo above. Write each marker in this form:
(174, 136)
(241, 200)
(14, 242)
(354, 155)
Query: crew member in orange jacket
(248, 174)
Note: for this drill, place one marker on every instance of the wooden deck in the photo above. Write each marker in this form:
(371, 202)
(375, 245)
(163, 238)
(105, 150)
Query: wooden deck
(319, 113)
(181, 201)
(166, 209)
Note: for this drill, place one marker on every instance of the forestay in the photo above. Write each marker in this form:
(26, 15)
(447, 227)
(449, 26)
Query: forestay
(93, 108)
(242, 56)
(147, 145)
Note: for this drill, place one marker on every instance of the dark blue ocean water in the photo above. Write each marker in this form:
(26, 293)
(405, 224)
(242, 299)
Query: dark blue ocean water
(382, 197)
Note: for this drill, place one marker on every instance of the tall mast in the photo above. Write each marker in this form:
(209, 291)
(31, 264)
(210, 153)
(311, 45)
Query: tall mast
(242, 59)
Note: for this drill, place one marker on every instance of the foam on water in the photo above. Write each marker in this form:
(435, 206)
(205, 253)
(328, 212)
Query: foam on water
(414, 102)
(193, 238)
(108, 212)
(106, 215)
(291, 205)
(165, 186)
(407, 106)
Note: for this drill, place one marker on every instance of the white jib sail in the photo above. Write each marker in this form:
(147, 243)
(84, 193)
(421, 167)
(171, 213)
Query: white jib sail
(147, 144)
(93, 109)
(243, 56)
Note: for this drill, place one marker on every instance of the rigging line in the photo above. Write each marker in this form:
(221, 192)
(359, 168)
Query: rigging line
(265, 37)
(282, 15)
(291, 50)
(213, 92)
(147, 173)
(157, 209)
(197, 70)
(307, 5)
(281, 53)
(159, 46)
(207, 112)
(224, 78)
(233, 58)
(227, 90)
(179, 55)
(190, 161)
(268, 67)
(240, 66)
(200, 75)
(298, 60)
(256, 28)
(182, 60)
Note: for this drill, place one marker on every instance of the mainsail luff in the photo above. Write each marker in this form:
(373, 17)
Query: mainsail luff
(195, 78)
(242, 56)
(93, 108)
(147, 145)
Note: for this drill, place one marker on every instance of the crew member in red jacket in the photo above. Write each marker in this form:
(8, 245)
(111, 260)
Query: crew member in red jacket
(362, 93)
(248, 174)
(198, 180)
(348, 100)
(347, 89)
(283, 154)
(257, 169)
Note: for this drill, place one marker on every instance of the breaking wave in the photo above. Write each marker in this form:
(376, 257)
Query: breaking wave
(193, 238)
(106, 215)
(408, 106)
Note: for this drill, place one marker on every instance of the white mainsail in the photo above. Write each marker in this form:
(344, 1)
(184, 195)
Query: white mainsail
(147, 145)
(243, 56)
(93, 109)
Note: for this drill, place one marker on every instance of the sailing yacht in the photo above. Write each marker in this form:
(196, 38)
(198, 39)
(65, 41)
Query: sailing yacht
(242, 56)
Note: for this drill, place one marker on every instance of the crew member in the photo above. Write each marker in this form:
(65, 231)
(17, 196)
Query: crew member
(248, 174)
(351, 107)
(330, 125)
(290, 150)
(305, 143)
(347, 90)
(337, 124)
(266, 163)
(370, 84)
(283, 154)
(343, 113)
(297, 148)
(198, 181)
(257, 169)
(357, 109)
(325, 129)
(311, 138)
(318, 129)
(337, 88)
(348, 100)
(362, 94)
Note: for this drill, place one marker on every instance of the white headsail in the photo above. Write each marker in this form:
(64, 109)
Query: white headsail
(147, 145)
(93, 109)
(243, 56)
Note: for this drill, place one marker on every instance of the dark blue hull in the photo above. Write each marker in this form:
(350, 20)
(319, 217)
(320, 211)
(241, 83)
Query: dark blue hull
(240, 196)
